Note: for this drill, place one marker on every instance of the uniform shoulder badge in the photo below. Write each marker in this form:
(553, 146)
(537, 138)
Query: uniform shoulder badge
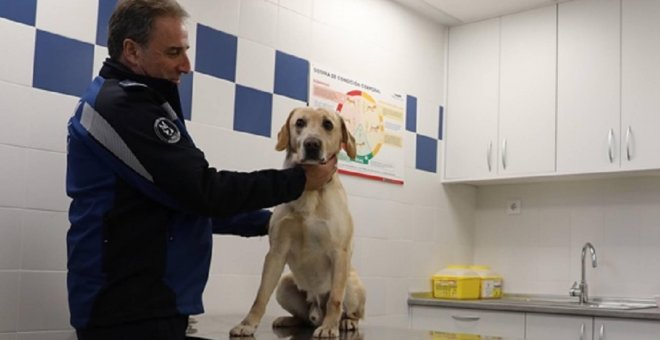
(166, 130)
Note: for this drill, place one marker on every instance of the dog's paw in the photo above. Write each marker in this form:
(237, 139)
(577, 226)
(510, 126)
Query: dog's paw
(348, 324)
(243, 330)
(288, 321)
(326, 332)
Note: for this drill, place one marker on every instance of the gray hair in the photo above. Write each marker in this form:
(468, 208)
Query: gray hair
(133, 19)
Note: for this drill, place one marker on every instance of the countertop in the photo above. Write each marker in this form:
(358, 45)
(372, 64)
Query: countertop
(515, 305)
(216, 327)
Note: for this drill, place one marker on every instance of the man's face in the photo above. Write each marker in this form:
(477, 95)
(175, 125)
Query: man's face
(165, 56)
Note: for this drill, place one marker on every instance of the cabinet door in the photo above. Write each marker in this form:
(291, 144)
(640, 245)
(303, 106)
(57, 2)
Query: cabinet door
(528, 92)
(621, 329)
(588, 86)
(640, 84)
(469, 321)
(553, 327)
(472, 100)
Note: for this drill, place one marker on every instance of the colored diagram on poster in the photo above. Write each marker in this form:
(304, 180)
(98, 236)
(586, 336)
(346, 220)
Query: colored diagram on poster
(374, 117)
(365, 120)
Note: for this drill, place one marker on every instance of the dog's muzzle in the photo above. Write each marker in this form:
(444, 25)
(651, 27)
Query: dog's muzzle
(313, 147)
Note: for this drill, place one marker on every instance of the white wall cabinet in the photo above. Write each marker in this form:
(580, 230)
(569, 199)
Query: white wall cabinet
(588, 86)
(553, 327)
(620, 329)
(640, 85)
(472, 100)
(569, 89)
(501, 97)
(527, 92)
(469, 321)
(608, 80)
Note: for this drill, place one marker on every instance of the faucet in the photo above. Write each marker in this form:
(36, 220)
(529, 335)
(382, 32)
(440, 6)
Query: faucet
(581, 290)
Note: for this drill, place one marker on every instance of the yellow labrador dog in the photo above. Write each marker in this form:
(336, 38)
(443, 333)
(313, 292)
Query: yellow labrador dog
(313, 235)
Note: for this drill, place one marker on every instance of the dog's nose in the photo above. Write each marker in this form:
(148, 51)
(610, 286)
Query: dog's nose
(312, 148)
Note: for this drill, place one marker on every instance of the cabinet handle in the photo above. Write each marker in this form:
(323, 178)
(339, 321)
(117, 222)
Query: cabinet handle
(504, 154)
(582, 332)
(465, 318)
(628, 135)
(489, 153)
(610, 141)
(601, 334)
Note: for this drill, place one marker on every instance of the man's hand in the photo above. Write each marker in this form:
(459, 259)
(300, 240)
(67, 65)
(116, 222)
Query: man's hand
(319, 174)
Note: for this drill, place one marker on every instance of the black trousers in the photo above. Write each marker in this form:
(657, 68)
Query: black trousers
(171, 328)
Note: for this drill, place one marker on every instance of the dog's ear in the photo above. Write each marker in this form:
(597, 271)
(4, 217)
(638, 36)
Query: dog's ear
(283, 135)
(347, 141)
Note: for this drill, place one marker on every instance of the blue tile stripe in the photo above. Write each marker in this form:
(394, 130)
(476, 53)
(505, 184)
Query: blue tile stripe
(106, 7)
(253, 111)
(62, 64)
(185, 94)
(426, 153)
(441, 122)
(65, 66)
(411, 113)
(291, 76)
(216, 53)
(23, 11)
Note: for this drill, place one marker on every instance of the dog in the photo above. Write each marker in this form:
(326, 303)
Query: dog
(313, 235)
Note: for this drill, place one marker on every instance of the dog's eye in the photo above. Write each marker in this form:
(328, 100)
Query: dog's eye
(300, 123)
(328, 125)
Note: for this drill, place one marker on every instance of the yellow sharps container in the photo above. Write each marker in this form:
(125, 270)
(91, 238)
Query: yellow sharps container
(491, 282)
(456, 282)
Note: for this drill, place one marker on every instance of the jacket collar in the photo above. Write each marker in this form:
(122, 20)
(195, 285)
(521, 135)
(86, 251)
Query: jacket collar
(113, 69)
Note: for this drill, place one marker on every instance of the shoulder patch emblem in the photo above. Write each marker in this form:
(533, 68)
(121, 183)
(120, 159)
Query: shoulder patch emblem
(166, 130)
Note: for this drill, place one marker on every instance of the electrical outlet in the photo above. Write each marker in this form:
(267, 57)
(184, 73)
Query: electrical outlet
(513, 207)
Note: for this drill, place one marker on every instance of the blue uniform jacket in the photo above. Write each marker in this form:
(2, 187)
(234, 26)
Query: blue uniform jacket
(145, 203)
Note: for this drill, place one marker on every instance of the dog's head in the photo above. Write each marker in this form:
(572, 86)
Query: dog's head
(313, 136)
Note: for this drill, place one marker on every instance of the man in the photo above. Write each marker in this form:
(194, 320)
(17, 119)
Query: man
(143, 196)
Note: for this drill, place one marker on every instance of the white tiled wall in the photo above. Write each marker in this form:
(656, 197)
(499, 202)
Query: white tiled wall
(255, 65)
(15, 67)
(13, 175)
(403, 233)
(294, 35)
(10, 238)
(72, 18)
(46, 111)
(258, 21)
(538, 251)
(209, 103)
(9, 282)
(43, 301)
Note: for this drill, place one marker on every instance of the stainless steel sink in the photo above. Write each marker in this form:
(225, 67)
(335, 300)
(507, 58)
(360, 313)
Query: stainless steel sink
(621, 305)
(564, 302)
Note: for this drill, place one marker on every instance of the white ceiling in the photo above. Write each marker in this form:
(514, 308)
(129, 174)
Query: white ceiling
(456, 12)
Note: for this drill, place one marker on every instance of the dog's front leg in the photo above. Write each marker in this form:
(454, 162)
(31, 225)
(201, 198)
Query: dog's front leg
(270, 276)
(330, 326)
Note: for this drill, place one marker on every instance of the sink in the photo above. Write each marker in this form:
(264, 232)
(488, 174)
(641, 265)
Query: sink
(621, 305)
(564, 302)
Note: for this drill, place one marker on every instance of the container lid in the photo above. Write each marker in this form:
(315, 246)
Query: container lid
(457, 271)
(485, 271)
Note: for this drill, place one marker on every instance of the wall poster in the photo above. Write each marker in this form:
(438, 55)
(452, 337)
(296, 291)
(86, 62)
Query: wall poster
(375, 117)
